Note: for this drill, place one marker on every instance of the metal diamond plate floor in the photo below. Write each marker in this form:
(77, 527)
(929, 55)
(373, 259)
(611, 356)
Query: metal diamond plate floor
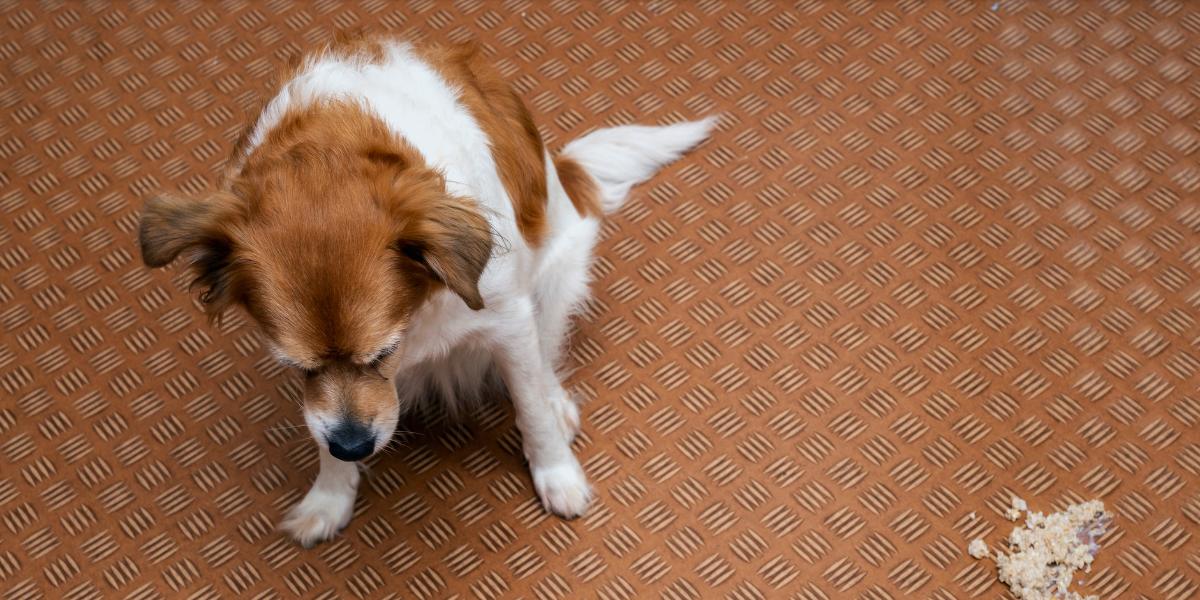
(937, 254)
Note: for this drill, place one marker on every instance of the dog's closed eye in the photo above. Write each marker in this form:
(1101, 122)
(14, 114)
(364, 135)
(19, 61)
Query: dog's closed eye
(382, 356)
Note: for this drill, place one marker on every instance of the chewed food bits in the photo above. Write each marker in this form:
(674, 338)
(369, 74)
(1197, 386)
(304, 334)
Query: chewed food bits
(1038, 561)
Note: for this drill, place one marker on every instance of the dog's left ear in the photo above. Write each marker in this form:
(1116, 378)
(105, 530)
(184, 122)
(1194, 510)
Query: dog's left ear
(453, 242)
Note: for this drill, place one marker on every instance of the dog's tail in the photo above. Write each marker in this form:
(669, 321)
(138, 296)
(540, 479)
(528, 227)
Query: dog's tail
(618, 158)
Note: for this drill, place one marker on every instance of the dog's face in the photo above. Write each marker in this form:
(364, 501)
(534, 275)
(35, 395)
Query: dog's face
(330, 237)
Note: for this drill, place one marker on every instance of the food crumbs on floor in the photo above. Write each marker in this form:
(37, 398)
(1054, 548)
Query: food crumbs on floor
(1044, 554)
(1018, 507)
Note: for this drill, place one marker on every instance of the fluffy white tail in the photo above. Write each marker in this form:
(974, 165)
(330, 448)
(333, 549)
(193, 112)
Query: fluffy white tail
(619, 158)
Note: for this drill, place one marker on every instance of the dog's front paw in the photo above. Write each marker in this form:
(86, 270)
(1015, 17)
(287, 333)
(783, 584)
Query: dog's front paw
(563, 488)
(319, 516)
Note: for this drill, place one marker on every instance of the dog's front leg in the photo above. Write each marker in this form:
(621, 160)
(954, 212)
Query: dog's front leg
(546, 417)
(327, 507)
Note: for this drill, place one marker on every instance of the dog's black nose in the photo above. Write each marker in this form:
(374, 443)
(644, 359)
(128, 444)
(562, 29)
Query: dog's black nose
(350, 442)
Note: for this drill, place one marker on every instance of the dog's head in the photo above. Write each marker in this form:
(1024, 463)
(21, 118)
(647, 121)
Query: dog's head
(330, 236)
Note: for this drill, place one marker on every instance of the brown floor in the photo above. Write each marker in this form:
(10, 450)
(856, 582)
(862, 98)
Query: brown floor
(936, 255)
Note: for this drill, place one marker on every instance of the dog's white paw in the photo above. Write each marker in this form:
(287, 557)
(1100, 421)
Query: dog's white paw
(563, 488)
(319, 516)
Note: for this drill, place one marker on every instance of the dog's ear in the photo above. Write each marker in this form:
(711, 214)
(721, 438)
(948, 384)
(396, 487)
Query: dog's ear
(453, 242)
(174, 224)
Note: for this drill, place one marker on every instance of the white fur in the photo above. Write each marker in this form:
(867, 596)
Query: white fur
(449, 351)
(329, 504)
(622, 157)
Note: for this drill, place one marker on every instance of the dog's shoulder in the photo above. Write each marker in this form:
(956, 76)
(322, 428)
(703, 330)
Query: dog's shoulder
(516, 144)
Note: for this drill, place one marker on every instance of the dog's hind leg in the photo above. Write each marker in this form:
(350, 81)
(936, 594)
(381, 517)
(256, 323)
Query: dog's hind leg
(538, 399)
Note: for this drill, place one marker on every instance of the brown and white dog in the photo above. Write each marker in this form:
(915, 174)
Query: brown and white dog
(394, 224)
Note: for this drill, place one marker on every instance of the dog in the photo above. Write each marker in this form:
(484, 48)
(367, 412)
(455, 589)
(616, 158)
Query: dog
(395, 226)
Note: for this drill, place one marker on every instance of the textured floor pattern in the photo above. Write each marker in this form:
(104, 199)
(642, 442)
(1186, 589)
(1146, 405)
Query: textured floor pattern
(936, 255)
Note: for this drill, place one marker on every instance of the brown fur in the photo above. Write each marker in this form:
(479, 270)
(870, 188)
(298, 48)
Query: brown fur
(372, 393)
(331, 235)
(346, 44)
(342, 206)
(516, 143)
(173, 224)
(579, 185)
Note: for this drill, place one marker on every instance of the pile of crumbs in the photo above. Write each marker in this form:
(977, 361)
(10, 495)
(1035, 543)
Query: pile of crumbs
(1043, 555)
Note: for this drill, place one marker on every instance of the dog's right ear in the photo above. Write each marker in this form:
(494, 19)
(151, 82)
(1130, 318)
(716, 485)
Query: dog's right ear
(174, 224)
